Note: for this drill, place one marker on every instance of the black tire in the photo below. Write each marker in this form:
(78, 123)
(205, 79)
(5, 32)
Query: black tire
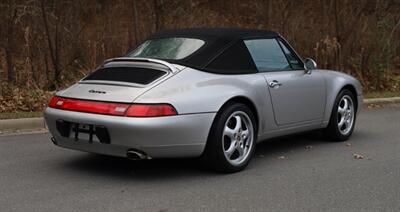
(213, 156)
(332, 131)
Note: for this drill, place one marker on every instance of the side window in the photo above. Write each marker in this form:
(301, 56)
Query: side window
(293, 60)
(267, 55)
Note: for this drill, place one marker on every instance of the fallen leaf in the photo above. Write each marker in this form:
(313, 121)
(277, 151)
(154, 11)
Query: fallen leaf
(281, 157)
(358, 156)
(371, 106)
(348, 144)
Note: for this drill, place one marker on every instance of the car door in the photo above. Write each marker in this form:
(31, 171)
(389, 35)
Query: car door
(296, 96)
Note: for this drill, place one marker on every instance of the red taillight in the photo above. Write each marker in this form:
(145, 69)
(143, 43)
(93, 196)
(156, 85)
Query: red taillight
(108, 108)
(53, 101)
(151, 110)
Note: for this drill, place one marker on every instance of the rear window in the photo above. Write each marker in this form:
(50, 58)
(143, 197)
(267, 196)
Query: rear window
(167, 48)
(126, 74)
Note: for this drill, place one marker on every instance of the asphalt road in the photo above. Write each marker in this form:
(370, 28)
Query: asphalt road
(297, 173)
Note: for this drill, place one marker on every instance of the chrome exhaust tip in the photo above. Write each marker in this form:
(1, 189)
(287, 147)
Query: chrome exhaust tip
(133, 154)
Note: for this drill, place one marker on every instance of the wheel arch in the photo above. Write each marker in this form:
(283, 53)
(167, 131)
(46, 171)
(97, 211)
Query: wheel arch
(335, 83)
(353, 91)
(330, 108)
(247, 102)
(208, 151)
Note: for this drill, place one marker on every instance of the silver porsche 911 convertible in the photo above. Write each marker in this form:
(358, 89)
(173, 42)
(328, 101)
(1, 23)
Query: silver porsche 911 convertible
(209, 93)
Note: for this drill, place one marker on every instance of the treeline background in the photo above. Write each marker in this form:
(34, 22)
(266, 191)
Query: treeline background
(48, 44)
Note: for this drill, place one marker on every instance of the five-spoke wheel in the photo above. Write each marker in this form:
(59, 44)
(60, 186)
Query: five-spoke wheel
(345, 114)
(232, 138)
(238, 137)
(341, 123)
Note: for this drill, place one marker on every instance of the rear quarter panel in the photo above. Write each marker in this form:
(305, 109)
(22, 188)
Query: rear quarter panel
(193, 91)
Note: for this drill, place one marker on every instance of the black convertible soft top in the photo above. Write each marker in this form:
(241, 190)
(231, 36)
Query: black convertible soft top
(224, 51)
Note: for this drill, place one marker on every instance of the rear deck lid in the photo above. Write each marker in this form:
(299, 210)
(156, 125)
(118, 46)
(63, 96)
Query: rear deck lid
(121, 80)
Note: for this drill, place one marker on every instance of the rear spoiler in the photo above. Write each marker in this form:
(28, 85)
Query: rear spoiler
(139, 59)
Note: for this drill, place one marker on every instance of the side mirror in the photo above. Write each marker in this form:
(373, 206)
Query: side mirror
(309, 64)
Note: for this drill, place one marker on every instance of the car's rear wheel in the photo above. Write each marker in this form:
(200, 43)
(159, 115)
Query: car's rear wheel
(343, 117)
(232, 139)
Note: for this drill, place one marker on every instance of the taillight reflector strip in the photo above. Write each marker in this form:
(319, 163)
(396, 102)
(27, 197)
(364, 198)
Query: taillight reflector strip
(115, 109)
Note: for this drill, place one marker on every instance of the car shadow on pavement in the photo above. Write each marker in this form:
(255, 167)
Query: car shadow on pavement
(145, 170)
(156, 169)
(280, 145)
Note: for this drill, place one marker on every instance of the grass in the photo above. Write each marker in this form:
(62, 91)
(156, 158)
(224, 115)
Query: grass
(381, 94)
(18, 115)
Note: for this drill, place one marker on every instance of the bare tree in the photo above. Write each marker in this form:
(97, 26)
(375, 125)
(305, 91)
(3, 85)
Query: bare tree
(11, 16)
(158, 11)
(135, 21)
(52, 39)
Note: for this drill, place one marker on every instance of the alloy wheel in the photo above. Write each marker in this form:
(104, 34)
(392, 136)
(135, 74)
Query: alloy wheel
(345, 115)
(238, 138)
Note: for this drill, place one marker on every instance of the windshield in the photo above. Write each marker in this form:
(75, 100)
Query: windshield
(167, 48)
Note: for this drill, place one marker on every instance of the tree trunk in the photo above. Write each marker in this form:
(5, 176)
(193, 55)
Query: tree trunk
(10, 46)
(158, 13)
(135, 21)
(10, 66)
(338, 37)
(56, 60)
(268, 14)
(52, 48)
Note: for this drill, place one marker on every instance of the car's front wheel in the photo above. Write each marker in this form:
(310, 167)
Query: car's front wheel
(232, 139)
(343, 117)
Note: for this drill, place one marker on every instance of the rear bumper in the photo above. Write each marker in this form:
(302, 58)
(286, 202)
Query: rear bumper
(160, 137)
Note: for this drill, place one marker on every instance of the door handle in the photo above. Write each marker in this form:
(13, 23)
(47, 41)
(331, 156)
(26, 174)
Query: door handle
(274, 84)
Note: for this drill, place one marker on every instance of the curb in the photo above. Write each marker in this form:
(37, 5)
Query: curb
(382, 100)
(36, 124)
(25, 124)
